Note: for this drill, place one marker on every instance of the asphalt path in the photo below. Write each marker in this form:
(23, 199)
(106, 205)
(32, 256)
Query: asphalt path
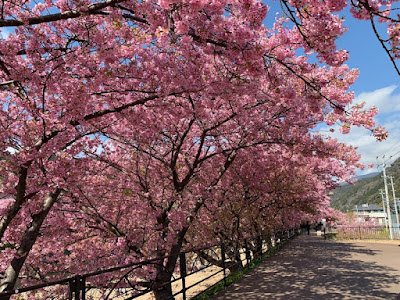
(313, 268)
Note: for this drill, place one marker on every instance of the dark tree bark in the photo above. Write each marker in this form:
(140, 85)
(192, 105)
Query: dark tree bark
(27, 241)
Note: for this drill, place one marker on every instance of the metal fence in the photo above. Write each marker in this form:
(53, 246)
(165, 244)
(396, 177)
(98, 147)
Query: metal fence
(363, 232)
(194, 269)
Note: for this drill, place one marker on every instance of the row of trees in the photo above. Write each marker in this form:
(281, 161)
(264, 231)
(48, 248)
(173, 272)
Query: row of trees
(137, 129)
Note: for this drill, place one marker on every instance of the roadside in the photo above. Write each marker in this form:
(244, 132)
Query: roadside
(313, 268)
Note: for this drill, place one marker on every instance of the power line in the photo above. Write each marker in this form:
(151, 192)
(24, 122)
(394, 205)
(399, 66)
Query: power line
(387, 151)
(395, 147)
(392, 158)
(377, 165)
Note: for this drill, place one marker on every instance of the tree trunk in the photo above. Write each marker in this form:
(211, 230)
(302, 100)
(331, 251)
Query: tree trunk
(233, 253)
(258, 246)
(162, 284)
(27, 241)
(19, 200)
(216, 261)
(165, 291)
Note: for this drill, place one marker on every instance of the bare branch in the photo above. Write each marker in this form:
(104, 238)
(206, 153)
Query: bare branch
(92, 9)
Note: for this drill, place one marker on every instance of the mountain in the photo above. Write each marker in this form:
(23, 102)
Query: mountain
(367, 175)
(365, 189)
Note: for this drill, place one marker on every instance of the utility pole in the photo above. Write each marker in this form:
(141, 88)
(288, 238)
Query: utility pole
(383, 204)
(387, 199)
(394, 201)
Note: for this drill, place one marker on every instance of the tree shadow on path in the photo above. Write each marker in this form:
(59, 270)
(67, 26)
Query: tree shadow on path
(311, 268)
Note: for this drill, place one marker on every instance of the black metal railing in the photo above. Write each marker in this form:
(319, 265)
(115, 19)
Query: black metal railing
(215, 263)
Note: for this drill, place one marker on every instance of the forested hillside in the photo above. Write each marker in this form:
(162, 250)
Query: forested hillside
(365, 190)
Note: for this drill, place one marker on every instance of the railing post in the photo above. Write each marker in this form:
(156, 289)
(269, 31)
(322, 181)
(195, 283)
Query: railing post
(69, 290)
(182, 265)
(248, 257)
(83, 287)
(260, 243)
(72, 288)
(223, 260)
(273, 239)
(76, 285)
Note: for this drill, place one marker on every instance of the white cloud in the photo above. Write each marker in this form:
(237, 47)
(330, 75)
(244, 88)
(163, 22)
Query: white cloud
(383, 98)
(388, 102)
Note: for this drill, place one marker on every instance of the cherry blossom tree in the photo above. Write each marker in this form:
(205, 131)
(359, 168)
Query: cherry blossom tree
(385, 12)
(311, 18)
(274, 191)
(139, 107)
(70, 47)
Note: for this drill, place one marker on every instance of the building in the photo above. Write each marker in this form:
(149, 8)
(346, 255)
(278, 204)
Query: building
(369, 212)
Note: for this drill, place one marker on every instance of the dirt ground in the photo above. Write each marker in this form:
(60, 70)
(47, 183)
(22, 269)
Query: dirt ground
(313, 268)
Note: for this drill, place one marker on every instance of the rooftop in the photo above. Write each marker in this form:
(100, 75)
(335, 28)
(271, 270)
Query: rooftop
(369, 207)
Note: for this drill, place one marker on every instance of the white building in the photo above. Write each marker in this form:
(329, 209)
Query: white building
(367, 212)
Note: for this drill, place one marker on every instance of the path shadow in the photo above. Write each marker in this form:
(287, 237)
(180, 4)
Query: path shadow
(311, 268)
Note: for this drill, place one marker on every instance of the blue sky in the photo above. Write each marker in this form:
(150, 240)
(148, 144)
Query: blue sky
(378, 85)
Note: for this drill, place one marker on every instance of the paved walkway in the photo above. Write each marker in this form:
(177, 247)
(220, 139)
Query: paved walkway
(312, 268)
